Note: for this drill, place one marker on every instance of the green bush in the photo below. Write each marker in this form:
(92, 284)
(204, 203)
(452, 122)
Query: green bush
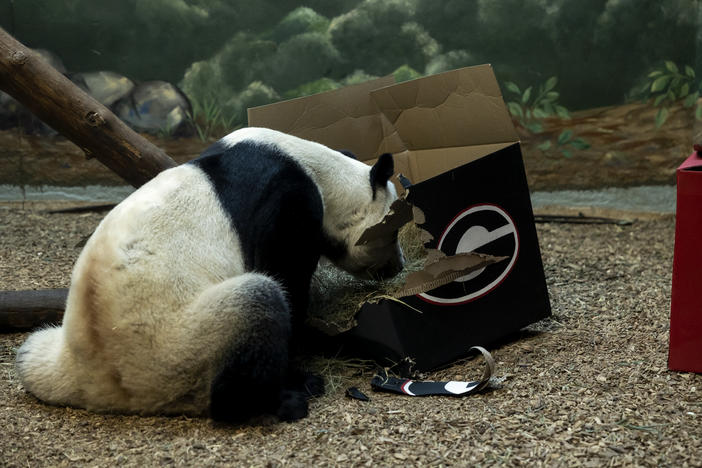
(204, 81)
(245, 59)
(301, 59)
(597, 47)
(255, 94)
(299, 21)
(379, 36)
(449, 61)
(313, 87)
(405, 73)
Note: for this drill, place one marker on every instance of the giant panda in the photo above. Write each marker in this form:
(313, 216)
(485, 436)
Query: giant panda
(186, 298)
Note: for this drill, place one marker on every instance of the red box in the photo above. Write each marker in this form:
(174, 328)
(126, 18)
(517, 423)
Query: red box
(685, 350)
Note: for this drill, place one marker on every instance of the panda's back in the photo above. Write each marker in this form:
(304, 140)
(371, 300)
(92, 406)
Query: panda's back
(273, 204)
(242, 208)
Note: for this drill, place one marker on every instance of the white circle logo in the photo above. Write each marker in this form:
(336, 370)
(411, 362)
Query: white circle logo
(483, 228)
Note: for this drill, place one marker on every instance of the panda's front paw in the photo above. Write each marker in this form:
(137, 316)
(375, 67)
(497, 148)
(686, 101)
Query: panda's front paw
(293, 406)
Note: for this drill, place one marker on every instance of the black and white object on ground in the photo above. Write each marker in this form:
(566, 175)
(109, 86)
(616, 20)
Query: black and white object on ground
(451, 388)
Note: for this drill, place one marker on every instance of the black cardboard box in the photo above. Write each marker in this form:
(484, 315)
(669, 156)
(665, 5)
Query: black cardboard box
(453, 138)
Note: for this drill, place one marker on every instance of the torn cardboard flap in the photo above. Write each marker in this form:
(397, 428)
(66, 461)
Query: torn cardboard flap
(336, 119)
(431, 125)
(400, 214)
(459, 108)
(441, 269)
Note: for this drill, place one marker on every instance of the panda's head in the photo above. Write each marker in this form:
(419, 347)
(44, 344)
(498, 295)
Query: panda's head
(381, 257)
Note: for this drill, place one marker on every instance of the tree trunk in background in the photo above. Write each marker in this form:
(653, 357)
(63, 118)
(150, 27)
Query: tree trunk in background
(68, 109)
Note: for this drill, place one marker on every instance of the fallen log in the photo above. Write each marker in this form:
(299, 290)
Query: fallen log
(52, 97)
(21, 310)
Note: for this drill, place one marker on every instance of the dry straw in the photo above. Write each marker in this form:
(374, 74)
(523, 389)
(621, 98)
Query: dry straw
(336, 296)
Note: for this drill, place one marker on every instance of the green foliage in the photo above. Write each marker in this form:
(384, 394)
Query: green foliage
(313, 87)
(597, 48)
(379, 36)
(299, 21)
(217, 48)
(208, 119)
(358, 76)
(204, 81)
(405, 73)
(154, 39)
(255, 94)
(668, 84)
(450, 61)
(531, 107)
(302, 58)
(565, 143)
(245, 58)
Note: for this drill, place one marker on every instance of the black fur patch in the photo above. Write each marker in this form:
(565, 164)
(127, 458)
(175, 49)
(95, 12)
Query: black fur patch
(275, 209)
(250, 383)
(277, 212)
(254, 376)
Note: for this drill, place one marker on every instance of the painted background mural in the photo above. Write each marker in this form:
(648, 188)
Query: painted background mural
(602, 92)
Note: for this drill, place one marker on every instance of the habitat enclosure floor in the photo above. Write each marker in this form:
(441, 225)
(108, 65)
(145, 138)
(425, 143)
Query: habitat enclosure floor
(587, 387)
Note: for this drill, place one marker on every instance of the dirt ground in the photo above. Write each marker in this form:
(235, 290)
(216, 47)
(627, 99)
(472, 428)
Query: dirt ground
(588, 387)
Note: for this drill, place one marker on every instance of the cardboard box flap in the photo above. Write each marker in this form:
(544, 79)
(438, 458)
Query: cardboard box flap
(692, 163)
(346, 118)
(462, 107)
(421, 165)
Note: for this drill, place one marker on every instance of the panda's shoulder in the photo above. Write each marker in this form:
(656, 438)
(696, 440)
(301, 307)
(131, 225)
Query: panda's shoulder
(231, 163)
(247, 172)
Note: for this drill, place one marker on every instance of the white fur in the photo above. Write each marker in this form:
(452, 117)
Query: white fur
(160, 291)
(349, 207)
(157, 253)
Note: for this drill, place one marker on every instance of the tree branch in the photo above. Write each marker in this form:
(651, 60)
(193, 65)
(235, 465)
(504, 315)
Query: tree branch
(53, 98)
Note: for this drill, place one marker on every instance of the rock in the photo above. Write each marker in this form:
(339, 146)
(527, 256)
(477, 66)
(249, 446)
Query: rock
(14, 114)
(53, 59)
(105, 86)
(156, 107)
(8, 111)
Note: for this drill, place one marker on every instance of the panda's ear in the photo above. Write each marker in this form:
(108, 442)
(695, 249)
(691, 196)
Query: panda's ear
(381, 172)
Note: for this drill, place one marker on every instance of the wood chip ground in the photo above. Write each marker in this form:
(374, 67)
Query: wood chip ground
(588, 387)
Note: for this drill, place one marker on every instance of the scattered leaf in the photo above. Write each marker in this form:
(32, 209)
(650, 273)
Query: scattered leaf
(660, 83)
(545, 145)
(565, 136)
(661, 117)
(513, 87)
(551, 83)
(671, 66)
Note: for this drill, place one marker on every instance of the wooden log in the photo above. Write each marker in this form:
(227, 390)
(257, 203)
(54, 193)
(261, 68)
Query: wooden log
(53, 98)
(21, 310)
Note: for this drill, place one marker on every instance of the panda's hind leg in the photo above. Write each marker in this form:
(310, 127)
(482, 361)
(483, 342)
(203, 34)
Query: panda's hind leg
(253, 374)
